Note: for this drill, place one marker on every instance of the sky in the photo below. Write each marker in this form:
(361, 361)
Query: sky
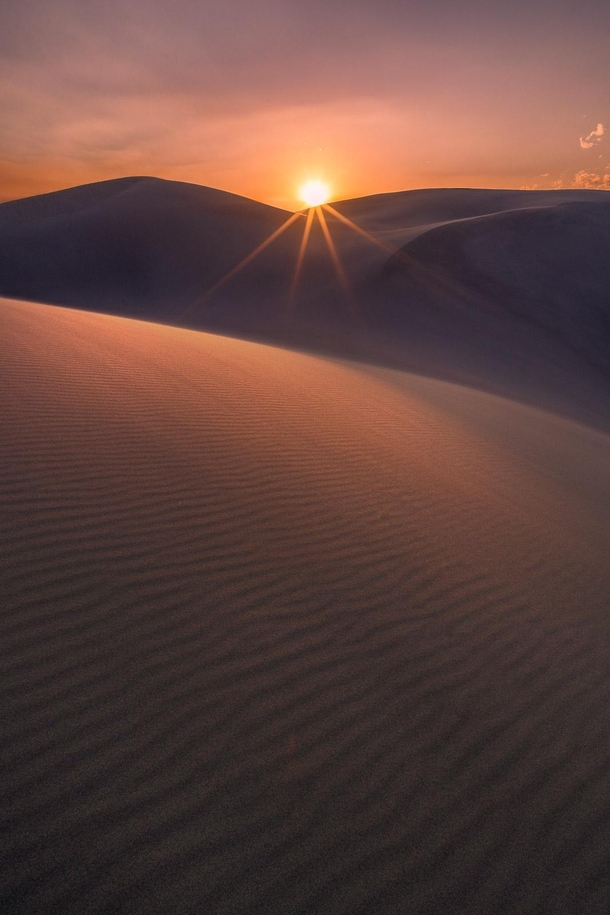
(258, 97)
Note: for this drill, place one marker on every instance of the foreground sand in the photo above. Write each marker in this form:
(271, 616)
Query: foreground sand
(281, 634)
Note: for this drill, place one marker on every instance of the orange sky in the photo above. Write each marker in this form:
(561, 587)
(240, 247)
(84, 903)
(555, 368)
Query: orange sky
(256, 99)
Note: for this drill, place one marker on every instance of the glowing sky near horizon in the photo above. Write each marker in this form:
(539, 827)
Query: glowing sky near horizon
(260, 97)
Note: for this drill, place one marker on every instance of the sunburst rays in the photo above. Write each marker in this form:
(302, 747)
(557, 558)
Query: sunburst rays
(356, 228)
(299, 266)
(313, 213)
(341, 276)
(244, 263)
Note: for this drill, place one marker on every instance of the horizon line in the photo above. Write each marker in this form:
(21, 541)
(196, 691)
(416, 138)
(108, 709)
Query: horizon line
(449, 187)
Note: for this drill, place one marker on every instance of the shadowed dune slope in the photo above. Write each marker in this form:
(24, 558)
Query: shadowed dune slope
(406, 214)
(542, 268)
(286, 635)
(516, 302)
(133, 245)
(148, 247)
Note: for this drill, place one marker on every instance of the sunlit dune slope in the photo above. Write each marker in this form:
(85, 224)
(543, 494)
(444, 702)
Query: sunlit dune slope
(286, 635)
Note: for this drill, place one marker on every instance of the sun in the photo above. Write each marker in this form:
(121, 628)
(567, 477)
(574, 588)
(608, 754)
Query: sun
(314, 193)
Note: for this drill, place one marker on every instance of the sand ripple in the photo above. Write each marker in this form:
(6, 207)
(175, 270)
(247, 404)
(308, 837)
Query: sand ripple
(284, 635)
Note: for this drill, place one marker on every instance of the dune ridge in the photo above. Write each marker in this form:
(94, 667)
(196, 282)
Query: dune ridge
(148, 247)
(140, 246)
(544, 269)
(524, 315)
(288, 635)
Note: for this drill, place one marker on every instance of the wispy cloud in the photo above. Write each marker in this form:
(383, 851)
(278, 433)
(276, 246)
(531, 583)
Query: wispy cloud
(591, 180)
(594, 138)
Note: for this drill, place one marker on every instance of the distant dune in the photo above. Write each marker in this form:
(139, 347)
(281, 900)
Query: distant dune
(546, 269)
(507, 291)
(135, 245)
(282, 634)
(147, 246)
(405, 214)
(517, 302)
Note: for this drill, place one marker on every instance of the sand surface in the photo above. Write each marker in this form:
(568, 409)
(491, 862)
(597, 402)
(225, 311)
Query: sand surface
(545, 269)
(282, 634)
(504, 290)
(148, 247)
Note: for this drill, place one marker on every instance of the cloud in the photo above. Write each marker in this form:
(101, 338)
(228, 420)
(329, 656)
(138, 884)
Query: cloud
(591, 180)
(593, 138)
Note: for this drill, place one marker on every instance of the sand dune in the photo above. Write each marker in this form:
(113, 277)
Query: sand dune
(133, 245)
(143, 246)
(288, 635)
(401, 216)
(486, 318)
(516, 302)
(546, 268)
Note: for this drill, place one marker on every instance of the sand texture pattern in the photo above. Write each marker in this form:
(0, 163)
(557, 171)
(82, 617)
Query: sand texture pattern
(281, 634)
